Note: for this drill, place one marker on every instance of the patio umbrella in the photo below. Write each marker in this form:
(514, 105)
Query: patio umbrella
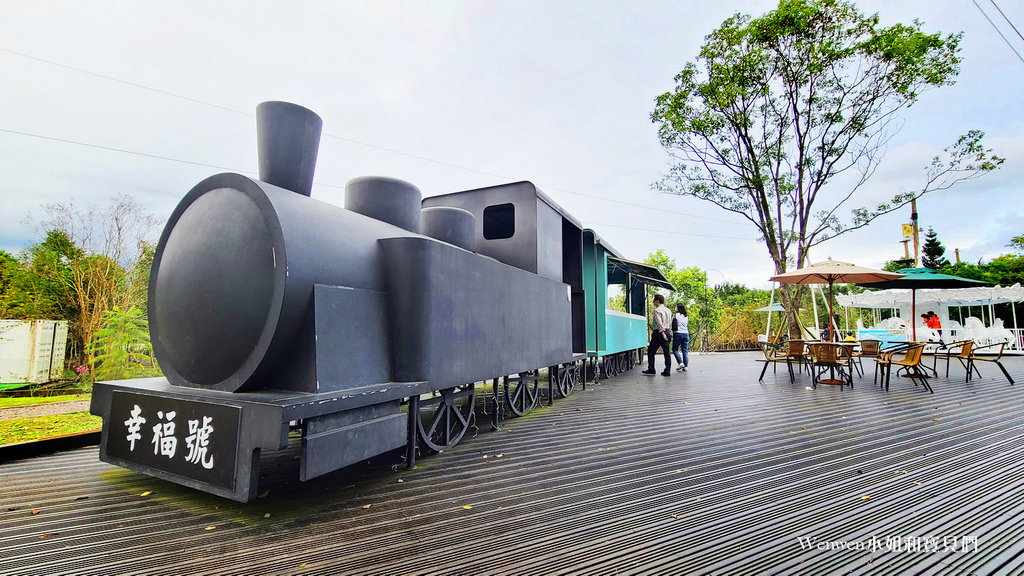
(831, 272)
(921, 278)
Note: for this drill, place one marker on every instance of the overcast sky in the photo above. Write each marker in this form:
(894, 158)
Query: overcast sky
(148, 98)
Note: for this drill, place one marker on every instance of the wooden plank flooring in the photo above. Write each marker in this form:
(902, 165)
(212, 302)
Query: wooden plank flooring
(703, 472)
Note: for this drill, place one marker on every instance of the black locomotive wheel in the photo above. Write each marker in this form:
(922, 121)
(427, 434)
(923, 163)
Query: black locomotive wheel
(622, 361)
(521, 392)
(611, 369)
(445, 417)
(569, 374)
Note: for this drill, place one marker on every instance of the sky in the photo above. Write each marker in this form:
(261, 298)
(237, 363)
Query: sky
(148, 98)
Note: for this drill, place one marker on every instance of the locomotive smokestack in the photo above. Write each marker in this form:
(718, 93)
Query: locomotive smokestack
(288, 137)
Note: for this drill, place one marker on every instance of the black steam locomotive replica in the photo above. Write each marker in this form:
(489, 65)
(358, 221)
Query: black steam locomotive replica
(366, 326)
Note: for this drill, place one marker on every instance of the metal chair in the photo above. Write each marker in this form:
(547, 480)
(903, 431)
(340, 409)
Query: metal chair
(774, 354)
(975, 358)
(799, 353)
(910, 362)
(867, 348)
(960, 350)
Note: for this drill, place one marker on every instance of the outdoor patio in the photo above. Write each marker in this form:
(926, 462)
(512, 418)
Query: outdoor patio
(702, 472)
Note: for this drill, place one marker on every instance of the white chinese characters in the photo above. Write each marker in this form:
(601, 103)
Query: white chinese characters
(198, 441)
(134, 425)
(165, 441)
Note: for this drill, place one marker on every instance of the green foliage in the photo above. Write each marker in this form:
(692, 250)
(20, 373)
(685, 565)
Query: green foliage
(739, 296)
(141, 269)
(101, 260)
(932, 251)
(702, 302)
(1017, 243)
(1005, 270)
(36, 285)
(30, 400)
(894, 265)
(39, 427)
(122, 348)
(617, 302)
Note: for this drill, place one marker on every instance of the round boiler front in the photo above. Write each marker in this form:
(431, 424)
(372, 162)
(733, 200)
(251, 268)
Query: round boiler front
(217, 285)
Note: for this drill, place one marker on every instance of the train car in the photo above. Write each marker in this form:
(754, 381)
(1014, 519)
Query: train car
(367, 326)
(614, 337)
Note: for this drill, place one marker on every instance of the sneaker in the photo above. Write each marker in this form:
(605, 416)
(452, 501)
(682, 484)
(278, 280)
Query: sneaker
(667, 372)
(680, 368)
(648, 372)
(684, 368)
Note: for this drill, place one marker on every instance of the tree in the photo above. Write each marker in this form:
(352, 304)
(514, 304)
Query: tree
(777, 107)
(34, 285)
(1005, 270)
(898, 264)
(1017, 243)
(104, 270)
(932, 251)
(121, 348)
(691, 289)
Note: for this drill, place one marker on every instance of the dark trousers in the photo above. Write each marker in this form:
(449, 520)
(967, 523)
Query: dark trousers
(658, 341)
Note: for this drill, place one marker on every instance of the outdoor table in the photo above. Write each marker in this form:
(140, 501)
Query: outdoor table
(831, 355)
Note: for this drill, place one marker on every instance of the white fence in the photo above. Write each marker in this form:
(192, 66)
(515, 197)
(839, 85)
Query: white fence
(1014, 338)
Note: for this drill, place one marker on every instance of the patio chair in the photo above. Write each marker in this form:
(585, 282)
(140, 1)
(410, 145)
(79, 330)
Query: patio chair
(831, 357)
(999, 355)
(868, 348)
(775, 354)
(799, 353)
(910, 363)
(961, 351)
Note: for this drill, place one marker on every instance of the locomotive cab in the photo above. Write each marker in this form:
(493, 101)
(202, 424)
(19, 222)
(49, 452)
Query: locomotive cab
(519, 225)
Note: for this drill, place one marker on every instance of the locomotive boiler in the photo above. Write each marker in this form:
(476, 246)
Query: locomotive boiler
(366, 326)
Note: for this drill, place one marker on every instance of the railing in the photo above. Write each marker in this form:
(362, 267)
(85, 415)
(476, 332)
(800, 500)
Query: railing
(1016, 343)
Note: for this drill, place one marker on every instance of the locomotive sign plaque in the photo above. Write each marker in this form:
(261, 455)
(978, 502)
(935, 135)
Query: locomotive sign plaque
(190, 439)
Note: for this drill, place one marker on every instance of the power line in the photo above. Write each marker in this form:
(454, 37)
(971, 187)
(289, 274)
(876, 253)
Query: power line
(1007, 19)
(118, 80)
(143, 154)
(669, 231)
(121, 150)
(337, 137)
(998, 31)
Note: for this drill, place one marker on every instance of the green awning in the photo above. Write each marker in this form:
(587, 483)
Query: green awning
(645, 273)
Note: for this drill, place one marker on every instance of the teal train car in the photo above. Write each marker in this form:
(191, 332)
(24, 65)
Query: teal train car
(614, 337)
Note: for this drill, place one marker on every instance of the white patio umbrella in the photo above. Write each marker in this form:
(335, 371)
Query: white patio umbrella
(832, 272)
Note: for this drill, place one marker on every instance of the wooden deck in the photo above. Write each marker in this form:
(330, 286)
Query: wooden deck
(703, 472)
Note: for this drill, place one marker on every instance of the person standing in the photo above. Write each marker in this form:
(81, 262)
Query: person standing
(660, 336)
(931, 319)
(681, 337)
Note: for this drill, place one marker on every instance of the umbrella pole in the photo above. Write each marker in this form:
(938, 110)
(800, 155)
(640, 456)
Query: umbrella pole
(814, 303)
(831, 324)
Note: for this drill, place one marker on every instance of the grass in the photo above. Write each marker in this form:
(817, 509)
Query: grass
(29, 400)
(38, 427)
